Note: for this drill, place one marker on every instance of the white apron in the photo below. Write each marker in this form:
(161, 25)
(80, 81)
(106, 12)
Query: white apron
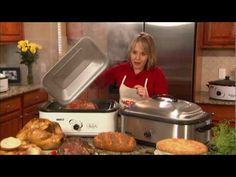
(129, 95)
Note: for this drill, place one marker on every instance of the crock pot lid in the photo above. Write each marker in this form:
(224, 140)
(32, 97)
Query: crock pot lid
(223, 82)
(180, 110)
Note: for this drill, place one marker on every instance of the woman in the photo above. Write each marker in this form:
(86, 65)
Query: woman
(139, 77)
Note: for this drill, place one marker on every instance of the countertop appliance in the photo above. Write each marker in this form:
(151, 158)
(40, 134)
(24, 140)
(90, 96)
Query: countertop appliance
(166, 117)
(83, 122)
(3, 83)
(223, 89)
(66, 80)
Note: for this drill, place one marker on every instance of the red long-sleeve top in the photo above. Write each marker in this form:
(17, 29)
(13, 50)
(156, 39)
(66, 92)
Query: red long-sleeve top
(157, 83)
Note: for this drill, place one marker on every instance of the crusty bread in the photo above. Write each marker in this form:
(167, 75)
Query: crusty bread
(42, 132)
(10, 143)
(114, 141)
(179, 146)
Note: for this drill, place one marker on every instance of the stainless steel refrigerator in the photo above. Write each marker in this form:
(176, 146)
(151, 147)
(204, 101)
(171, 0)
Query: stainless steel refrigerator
(175, 48)
(175, 51)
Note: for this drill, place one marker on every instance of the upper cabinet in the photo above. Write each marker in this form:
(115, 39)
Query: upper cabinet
(11, 32)
(218, 35)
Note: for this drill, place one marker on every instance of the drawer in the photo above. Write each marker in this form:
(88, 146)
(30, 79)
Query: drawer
(34, 97)
(13, 115)
(10, 105)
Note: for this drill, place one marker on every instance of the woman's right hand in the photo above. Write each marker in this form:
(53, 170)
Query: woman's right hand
(141, 91)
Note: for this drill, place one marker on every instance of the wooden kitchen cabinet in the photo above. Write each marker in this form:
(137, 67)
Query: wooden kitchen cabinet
(31, 103)
(218, 35)
(11, 32)
(15, 112)
(10, 117)
(220, 112)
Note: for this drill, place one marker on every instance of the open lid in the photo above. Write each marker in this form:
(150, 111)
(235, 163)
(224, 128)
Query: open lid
(77, 69)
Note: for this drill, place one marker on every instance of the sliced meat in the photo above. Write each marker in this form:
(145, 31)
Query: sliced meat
(75, 146)
(81, 104)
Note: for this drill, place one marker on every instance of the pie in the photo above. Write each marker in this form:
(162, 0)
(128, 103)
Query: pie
(179, 146)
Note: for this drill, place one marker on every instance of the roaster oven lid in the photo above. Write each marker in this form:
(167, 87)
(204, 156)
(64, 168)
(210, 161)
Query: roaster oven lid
(77, 69)
(168, 109)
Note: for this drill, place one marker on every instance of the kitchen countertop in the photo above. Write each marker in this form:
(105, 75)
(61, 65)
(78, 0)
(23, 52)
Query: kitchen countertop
(203, 98)
(17, 90)
(140, 150)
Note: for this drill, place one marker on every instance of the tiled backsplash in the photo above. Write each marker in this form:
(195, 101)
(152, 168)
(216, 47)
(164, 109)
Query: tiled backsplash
(212, 60)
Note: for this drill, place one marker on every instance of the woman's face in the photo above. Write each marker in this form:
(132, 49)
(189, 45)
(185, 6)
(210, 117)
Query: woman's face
(138, 57)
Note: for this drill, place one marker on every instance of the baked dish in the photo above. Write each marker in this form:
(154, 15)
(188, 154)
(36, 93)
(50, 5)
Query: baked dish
(179, 146)
(81, 104)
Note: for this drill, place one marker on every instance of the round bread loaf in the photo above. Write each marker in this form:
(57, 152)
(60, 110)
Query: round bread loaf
(114, 141)
(10, 143)
(42, 132)
(179, 146)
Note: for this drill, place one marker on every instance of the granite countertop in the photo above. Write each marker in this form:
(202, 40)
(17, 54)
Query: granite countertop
(17, 90)
(140, 149)
(203, 98)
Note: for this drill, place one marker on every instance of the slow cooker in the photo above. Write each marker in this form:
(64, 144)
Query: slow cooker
(83, 122)
(66, 80)
(222, 89)
(3, 83)
(165, 117)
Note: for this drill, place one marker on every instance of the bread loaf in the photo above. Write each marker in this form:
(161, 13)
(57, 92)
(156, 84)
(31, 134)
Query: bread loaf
(114, 141)
(180, 146)
(42, 132)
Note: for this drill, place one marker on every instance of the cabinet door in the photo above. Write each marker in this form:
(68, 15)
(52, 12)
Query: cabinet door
(10, 124)
(219, 35)
(30, 113)
(11, 32)
(220, 112)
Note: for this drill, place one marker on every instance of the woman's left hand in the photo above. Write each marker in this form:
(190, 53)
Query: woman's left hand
(141, 91)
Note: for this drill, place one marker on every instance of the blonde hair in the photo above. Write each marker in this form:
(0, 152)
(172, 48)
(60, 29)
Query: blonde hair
(149, 47)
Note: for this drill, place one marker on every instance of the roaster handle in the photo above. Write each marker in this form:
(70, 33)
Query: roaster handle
(165, 97)
(205, 128)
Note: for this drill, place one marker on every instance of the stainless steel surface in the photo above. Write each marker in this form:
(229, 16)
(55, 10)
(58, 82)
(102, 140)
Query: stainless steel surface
(167, 111)
(175, 54)
(75, 71)
(175, 48)
(152, 131)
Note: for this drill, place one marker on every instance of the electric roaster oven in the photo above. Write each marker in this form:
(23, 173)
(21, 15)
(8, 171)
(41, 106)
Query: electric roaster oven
(66, 80)
(165, 117)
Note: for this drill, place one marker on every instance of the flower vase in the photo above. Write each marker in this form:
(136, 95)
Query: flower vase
(30, 77)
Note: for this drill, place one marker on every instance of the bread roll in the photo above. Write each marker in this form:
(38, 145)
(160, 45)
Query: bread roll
(10, 143)
(114, 141)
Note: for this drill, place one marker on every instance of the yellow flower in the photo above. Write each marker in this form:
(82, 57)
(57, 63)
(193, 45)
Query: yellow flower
(24, 49)
(28, 51)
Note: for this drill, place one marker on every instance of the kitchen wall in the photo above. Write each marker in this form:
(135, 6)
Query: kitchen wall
(42, 33)
(212, 60)
(46, 34)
